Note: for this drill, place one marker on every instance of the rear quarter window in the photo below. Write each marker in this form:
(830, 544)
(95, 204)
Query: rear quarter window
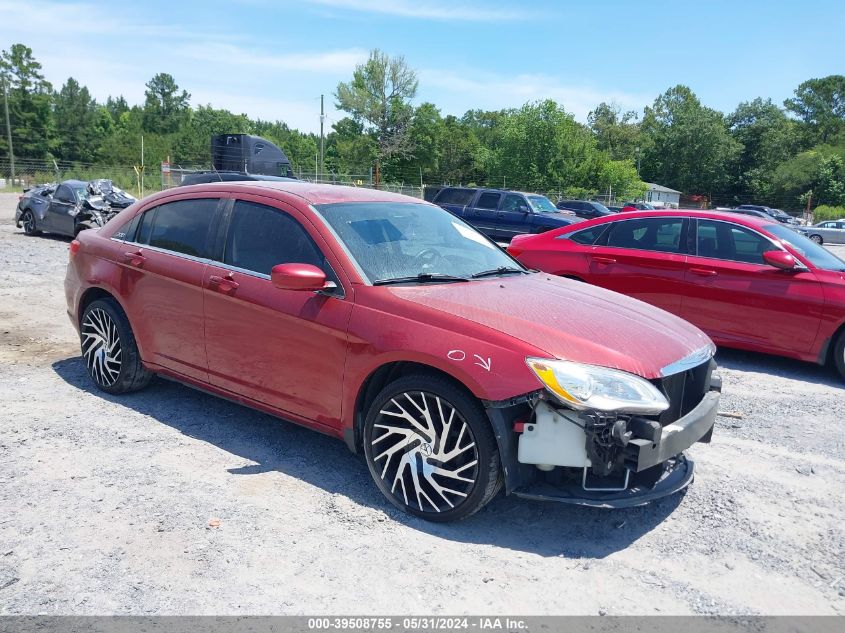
(456, 196)
(585, 236)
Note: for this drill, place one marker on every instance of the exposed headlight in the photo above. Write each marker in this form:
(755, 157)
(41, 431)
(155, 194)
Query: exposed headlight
(591, 387)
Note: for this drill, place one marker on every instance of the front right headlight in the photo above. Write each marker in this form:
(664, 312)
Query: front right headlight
(581, 386)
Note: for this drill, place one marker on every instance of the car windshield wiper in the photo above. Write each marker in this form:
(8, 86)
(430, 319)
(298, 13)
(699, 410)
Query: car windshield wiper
(501, 270)
(422, 278)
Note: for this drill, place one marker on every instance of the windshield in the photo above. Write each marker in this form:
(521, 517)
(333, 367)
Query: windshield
(81, 192)
(818, 255)
(541, 204)
(391, 240)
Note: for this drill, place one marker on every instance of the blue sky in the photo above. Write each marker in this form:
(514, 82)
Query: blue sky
(272, 59)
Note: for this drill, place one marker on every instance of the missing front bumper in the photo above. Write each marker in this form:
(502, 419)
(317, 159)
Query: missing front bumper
(678, 473)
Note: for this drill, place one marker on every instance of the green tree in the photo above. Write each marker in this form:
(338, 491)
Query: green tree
(193, 142)
(30, 112)
(820, 104)
(768, 138)
(116, 107)
(75, 114)
(379, 96)
(165, 108)
(616, 132)
(543, 148)
(620, 178)
(687, 146)
(425, 132)
(348, 149)
(462, 156)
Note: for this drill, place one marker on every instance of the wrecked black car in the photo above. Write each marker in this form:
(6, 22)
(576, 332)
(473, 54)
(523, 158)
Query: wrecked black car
(70, 207)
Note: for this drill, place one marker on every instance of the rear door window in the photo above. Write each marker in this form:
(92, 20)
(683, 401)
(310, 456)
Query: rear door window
(261, 237)
(183, 226)
(664, 235)
(488, 200)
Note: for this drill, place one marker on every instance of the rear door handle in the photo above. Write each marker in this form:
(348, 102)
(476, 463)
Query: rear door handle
(136, 259)
(603, 260)
(223, 284)
(703, 272)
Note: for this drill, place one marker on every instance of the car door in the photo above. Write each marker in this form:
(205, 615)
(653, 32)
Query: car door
(513, 216)
(58, 218)
(735, 297)
(165, 255)
(485, 215)
(283, 348)
(643, 258)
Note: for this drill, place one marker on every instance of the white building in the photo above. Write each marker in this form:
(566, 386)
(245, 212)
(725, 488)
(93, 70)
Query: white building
(660, 196)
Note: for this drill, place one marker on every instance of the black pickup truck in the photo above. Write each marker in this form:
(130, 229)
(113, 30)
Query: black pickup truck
(502, 214)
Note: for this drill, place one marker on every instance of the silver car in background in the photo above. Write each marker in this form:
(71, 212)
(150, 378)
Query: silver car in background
(830, 232)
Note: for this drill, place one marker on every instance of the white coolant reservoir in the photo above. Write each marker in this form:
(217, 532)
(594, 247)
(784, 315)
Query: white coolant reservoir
(553, 439)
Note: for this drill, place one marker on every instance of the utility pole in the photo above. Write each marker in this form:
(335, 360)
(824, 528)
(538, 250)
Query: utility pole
(142, 164)
(9, 131)
(322, 138)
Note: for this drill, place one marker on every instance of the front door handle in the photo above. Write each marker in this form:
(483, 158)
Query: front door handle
(603, 260)
(703, 272)
(225, 284)
(136, 259)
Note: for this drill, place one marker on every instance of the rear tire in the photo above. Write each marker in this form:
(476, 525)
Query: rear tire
(421, 427)
(109, 349)
(817, 239)
(30, 226)
(839, 354)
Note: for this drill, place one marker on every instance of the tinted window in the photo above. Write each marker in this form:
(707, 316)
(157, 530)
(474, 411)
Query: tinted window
(127, 231)
(649, 234)
(722, 240)
(182, 226)
(488, 201)
(455, 196)
(261, 237)
(587, 236)
(512, 202)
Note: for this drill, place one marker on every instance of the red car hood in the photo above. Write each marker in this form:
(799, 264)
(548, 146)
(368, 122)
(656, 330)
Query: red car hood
(569, 320)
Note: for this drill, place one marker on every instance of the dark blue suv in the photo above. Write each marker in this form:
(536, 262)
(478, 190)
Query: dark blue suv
(502, 214)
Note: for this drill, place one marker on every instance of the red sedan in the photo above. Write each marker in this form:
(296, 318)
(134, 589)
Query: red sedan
(394, 325)
(747, 282)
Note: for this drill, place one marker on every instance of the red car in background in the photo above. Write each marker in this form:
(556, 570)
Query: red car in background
(749, 283)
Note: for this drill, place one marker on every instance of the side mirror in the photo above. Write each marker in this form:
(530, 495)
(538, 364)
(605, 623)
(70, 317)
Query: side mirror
(299, 277)
(523, 208)
(780, 260)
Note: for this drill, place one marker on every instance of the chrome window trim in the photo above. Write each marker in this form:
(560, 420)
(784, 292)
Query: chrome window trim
(158, 249)
(693, 359)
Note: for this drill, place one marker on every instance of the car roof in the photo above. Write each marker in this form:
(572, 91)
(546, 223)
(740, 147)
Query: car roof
(751, 221)
(311, 193)
(75, 183)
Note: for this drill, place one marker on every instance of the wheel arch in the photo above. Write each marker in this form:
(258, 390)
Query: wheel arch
(381, 377)
(827, 350)
(93, 294)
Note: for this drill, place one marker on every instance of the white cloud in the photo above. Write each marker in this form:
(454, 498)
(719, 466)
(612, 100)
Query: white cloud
(340, 61)
(457, 92)
(481, 12)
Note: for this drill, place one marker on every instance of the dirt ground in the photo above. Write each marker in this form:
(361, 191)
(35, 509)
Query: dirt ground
(107, 501)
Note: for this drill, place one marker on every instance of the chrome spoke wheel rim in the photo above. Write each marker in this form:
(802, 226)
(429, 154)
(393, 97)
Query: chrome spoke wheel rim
(101, 347)
(424, 452)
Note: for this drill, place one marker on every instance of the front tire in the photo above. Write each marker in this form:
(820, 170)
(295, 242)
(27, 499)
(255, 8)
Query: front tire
(109, 349)
(430, 449)
(817, 239)
(30, 227)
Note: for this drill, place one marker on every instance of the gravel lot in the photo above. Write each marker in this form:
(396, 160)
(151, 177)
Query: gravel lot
(107, 501)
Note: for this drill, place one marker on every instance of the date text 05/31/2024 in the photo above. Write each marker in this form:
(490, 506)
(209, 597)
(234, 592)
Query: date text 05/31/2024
(417, 623)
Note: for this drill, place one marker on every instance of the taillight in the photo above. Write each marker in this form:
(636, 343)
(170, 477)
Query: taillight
(74, 248)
